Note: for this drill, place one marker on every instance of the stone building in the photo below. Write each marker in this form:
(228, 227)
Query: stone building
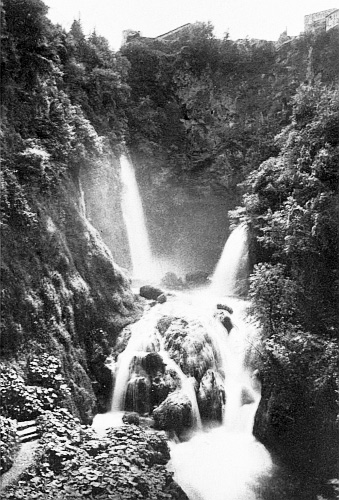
(332, 20)
(317, 21)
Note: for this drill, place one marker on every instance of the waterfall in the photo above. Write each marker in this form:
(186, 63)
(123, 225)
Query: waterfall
(134, 219)
(230, 275)
(82, 203)
(145, 339)
(227, 462)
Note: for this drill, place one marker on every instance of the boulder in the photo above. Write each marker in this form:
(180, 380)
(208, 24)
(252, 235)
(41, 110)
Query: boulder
(224, 319)
(150, 292)
(211, 396)
(197, 278)
(189, 344)
(174, 414)
(162, 299)
(153, 364)
(131, 418)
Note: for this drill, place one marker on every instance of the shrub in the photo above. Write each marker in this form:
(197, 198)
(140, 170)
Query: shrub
(9, 443)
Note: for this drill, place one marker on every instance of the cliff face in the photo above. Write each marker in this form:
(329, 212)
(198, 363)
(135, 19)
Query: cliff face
(63, 294)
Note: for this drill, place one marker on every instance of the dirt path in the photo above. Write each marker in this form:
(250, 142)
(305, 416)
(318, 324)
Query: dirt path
(23, 460)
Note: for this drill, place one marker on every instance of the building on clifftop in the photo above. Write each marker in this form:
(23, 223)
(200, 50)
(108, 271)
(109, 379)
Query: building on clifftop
(321, 21)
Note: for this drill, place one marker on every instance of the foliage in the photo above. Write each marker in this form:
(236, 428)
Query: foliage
(73, 462)
(291, 204)
(273, 297)
(8, 443)
(26, 401)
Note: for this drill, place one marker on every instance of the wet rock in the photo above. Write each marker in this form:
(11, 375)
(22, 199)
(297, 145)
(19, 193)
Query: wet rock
(225, 307)
(211, 396)
(162, 299)
(164, 323)
(150, 292)
(162, 385)
(188, 343)
(174, 414)
(224, 319)
(171, 280)
(153, 364)
(131, 418)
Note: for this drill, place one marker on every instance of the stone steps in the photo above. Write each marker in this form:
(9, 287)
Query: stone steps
(27, 431)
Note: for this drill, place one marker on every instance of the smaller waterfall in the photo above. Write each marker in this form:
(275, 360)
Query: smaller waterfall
(82, 204)
(230, 275)
(133, 214)
(146, 339)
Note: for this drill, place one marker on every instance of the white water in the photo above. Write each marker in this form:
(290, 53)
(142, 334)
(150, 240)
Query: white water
(227, 462)
(224, 462)
(233, 264)
(134, 219)
(82, 203)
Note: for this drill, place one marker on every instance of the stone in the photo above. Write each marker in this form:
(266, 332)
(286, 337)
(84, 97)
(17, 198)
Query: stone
(150, 292)
(131, 418)
(174, 414)
(162, 299)
(224, 319)
(211, 396)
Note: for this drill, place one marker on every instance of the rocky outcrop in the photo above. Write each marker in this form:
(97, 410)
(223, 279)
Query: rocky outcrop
(211, 396)
(189, 344)
(174, 414)
(150, 292)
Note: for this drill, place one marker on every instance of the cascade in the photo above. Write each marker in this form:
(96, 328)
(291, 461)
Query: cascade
(231, 271)
(82, 204)
(133, 214)
(220, 461)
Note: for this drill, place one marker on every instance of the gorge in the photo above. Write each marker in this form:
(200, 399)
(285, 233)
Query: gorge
(169, 216)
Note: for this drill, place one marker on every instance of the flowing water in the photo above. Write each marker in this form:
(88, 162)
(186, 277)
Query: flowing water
(232, 269)
(133, 214)
(221, 461)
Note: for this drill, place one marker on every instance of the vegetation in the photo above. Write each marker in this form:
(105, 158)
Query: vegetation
(291, 205)
(9, 443)
(73, 462)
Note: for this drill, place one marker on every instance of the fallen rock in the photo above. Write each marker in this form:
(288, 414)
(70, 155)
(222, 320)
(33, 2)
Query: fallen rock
(162, 299)
(174, 414)
(224, 319)
(131, 417)
(150, 292)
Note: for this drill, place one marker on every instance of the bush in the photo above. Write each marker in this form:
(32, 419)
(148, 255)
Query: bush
(9, 443)
(25, 402)
(73, 462)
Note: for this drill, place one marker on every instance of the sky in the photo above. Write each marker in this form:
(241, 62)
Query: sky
(264, 19)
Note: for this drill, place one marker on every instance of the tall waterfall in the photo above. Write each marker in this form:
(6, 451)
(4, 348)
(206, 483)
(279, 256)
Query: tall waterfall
(231, 271)
(134, 219)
